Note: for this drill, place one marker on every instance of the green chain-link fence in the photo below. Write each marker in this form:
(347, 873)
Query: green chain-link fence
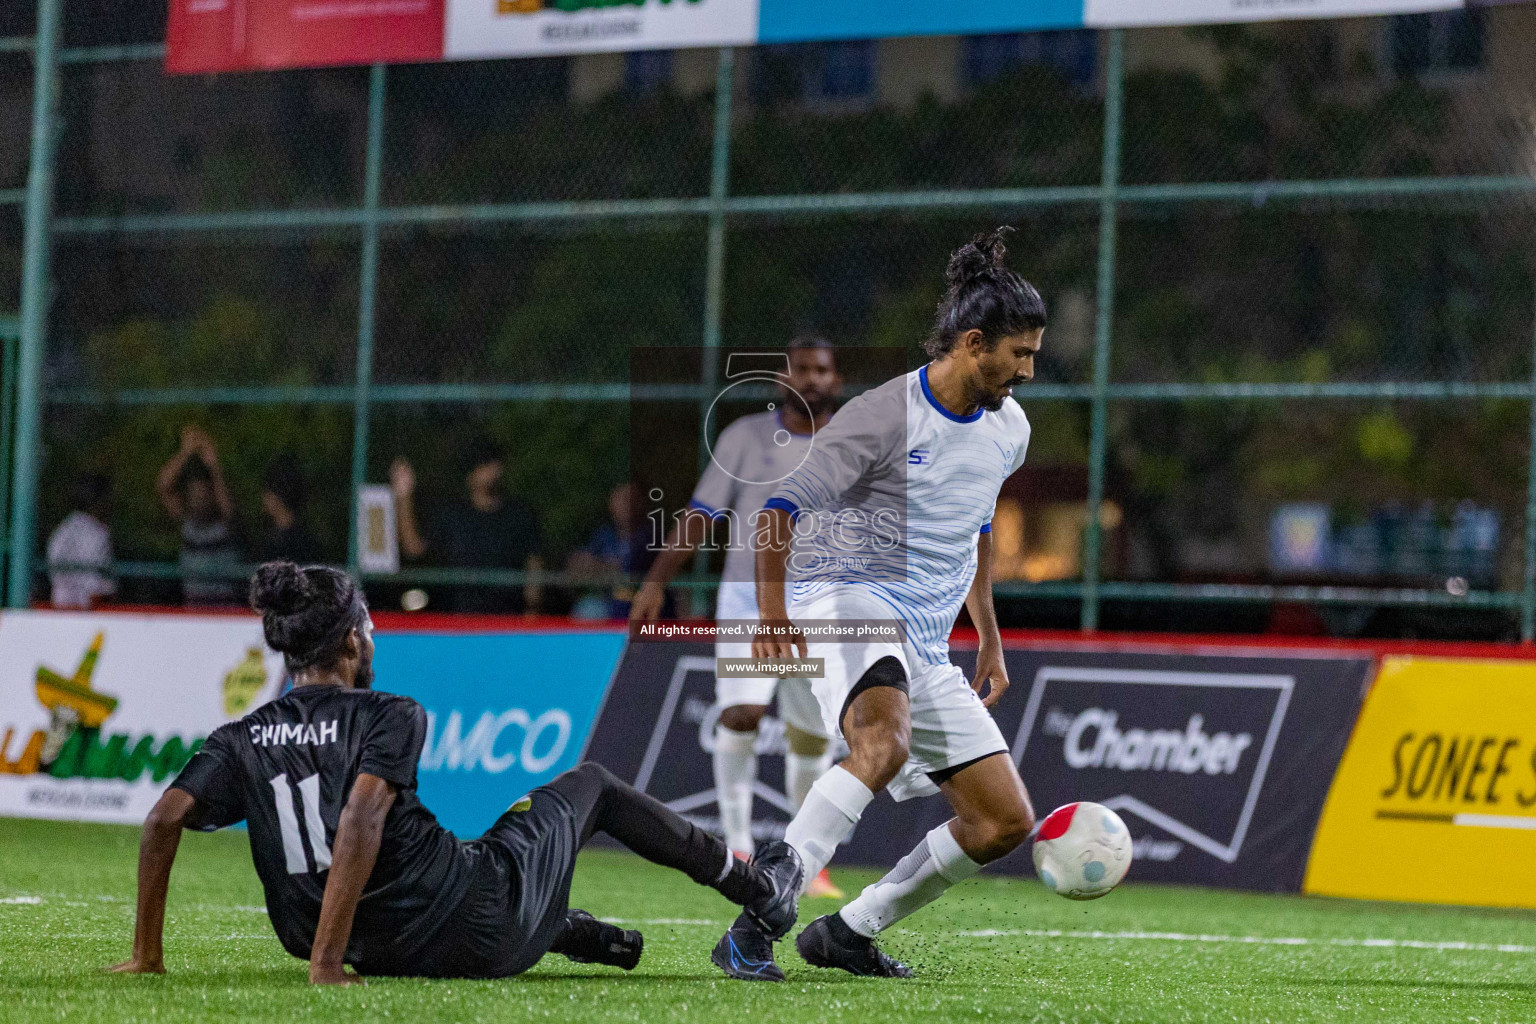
(1290, 269)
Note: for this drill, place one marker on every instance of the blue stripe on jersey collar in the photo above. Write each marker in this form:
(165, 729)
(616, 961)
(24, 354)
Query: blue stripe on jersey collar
(922, 376)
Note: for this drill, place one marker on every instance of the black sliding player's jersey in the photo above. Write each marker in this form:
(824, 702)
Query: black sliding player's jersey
(287, 769)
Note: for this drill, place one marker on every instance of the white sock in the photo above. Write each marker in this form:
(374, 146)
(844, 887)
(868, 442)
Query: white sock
(831, 809)
(801, 772)
(735, 772)
(922, 876)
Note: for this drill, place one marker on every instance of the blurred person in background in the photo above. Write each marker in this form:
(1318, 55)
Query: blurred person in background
(282, 507)
(192, 490)
(616, 547)
(486, 529)
(749, 459)
(80, 547)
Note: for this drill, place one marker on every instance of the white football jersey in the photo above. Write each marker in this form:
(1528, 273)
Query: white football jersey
(748, 462)
(892, 497)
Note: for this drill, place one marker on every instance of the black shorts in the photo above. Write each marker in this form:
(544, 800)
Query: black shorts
(516, 905)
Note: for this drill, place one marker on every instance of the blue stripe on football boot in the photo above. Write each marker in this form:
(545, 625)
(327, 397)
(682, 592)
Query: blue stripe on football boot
(746, 953)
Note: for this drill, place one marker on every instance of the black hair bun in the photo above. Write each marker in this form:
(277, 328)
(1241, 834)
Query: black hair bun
(978, 256)
(281, 588)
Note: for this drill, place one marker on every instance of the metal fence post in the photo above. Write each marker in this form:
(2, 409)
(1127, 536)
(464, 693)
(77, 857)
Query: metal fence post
(1528, 594)
(36, 247)
(1114, 98)
(714, 273)
(367, 291)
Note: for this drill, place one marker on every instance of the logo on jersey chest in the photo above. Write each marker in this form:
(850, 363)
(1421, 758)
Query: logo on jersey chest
(925, 457)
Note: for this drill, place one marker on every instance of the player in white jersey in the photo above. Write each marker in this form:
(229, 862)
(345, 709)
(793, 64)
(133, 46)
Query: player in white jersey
(748, 462)
(891, 521)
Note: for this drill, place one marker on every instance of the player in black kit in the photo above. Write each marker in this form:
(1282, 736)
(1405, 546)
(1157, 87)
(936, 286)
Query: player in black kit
(357, 871)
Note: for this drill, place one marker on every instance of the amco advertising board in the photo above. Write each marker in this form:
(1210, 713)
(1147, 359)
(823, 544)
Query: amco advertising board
(506, 712)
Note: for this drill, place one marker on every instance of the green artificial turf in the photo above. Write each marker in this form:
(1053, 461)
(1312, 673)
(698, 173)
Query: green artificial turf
(66, 910)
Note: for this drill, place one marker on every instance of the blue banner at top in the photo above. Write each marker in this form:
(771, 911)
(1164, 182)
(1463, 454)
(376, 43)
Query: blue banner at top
(782, 21)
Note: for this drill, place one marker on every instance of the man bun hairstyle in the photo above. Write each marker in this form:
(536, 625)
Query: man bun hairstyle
(982, 294)
(306, 613)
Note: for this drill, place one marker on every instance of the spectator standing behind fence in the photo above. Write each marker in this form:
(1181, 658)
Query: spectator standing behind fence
(486, 529)
(287, 537)
(80, 548)
(191, 487)
(618, 546)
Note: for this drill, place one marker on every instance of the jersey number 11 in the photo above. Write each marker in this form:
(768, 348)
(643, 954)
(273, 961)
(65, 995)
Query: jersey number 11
(293, 845)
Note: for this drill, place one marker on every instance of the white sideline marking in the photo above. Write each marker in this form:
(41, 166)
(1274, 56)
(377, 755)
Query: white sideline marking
(30, 901)
(1253, 940)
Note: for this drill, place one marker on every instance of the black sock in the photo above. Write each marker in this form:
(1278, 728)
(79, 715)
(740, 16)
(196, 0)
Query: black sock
(743, 883)
(603, 803)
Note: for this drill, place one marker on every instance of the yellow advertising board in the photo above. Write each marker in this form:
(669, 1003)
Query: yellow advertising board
(1435, 800)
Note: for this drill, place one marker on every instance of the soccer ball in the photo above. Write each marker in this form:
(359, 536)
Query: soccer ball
(1082, 850)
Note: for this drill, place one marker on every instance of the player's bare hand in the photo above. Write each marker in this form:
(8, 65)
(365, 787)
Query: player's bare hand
(991, 679)
(778, 638)
(319, 975)
(138, 966)
(195, 440)
(402, 478)
(646, 607)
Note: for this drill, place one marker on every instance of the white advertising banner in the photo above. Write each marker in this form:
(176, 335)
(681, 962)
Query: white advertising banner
(519, 28)
(1130, 13)
(98, 712)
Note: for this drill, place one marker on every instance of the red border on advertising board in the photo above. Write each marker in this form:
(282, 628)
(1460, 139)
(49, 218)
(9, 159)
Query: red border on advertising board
(963, 637)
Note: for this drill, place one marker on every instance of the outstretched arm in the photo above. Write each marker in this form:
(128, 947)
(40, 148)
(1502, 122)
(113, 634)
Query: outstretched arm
(688, 532)
(157, 852)
(165, 480)
(989, 655)
(402, 480)
(221, 496)
(771, 539)
(357, 847)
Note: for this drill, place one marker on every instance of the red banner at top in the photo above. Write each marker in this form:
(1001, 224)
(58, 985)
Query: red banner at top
(244, 35)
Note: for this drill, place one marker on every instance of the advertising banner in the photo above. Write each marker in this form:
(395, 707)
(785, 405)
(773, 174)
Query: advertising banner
(1129, 13)
(233, 35)
(1435, 800)
(247, 35)
(506, 712)
(99, 712)
(1218, 764)
(499, 28)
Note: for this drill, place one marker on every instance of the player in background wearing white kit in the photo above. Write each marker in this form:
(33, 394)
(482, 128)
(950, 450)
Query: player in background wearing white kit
(748, 461)
(928, 452)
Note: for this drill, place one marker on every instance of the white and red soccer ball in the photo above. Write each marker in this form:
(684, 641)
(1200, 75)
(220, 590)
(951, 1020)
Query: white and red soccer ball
(1082, 850)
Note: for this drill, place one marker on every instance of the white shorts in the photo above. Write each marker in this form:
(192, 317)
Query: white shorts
(950, 726)
(797, 704)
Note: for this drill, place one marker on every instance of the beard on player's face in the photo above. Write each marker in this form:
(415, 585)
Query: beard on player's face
(990, 393)
(364, 678)
(809, 398)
